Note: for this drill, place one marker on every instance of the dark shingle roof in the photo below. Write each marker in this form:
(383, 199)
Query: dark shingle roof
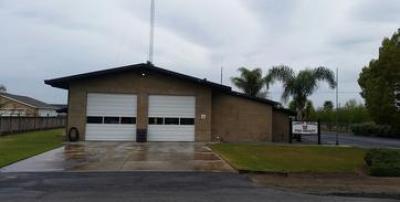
(257, 99)
(284, 110)
(63, 82)
(27, 100)
(59, 106)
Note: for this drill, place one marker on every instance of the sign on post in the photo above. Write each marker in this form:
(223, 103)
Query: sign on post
(305, 128)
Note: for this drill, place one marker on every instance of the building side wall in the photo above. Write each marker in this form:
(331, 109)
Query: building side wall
(142, 86)
(237, 119)
(280, 127)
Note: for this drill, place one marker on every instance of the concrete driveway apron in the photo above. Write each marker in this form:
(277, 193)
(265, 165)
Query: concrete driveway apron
(124, 156)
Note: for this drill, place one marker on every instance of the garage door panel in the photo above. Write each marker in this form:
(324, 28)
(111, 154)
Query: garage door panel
(111, 105)
(170, 133)
(171, 112)
(171, 107)
(112, 132)
(112, 117)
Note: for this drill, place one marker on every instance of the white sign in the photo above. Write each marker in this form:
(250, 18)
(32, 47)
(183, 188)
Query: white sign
(304, 127)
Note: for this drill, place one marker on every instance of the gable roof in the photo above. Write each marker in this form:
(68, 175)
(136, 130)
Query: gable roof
(27, 101)
(63, 82)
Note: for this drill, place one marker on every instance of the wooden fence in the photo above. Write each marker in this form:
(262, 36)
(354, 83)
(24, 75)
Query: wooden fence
(22, 124)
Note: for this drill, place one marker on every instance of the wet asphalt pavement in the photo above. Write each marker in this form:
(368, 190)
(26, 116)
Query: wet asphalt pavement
(351, 140)
(124, 156)
(144, 186)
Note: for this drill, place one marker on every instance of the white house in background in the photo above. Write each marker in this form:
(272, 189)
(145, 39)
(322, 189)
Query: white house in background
(18, 105)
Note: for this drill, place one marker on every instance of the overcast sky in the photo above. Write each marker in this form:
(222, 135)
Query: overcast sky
(44, 39)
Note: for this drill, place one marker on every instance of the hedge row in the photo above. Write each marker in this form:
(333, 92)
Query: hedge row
(383, 162)
(372, 129)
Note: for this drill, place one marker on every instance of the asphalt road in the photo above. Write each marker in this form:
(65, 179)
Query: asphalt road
(143, 186)
(360, 141)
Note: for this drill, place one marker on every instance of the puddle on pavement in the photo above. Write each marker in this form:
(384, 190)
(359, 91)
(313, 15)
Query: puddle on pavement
(127, 156)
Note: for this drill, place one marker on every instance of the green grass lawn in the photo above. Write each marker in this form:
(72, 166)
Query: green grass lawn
(16, 147)
(275, 158)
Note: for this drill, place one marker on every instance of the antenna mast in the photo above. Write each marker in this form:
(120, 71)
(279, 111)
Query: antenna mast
(222, 71)
(151, 39)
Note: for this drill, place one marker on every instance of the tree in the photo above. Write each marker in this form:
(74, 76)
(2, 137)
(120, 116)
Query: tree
(380, 83)
(3, 88)
(397, 96)
(328, 105)
(309, 112)
(250, 82)
(299, 86)
(326, 114)
(351, 113)
(292, 105)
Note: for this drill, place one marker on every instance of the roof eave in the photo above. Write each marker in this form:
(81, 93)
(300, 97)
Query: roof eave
(63, 82)
(284, 110)
(262, 100)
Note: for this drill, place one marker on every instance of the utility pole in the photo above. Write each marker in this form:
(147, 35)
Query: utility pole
(151, 39)
(337, 106)
(222, 70)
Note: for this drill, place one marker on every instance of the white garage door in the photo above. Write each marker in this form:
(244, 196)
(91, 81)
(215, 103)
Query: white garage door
(111, 117)
(171, 118)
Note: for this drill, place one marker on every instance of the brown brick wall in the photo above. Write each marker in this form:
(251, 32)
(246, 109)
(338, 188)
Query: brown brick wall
(238, 119)
(280, 127)
(233, 118)
(142, 86)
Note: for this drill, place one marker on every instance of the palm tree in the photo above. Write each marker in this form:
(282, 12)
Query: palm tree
(309, 111)
(299, 86)
(250, 82)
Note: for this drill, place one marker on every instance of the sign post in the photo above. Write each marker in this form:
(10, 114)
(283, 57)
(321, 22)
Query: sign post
(319, 132)
(290, 130)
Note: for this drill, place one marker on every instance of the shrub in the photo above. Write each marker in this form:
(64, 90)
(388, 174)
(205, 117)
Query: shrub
(383, 162)
(372, 129)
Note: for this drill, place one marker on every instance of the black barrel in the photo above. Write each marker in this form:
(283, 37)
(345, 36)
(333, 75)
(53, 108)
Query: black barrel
(141, 135)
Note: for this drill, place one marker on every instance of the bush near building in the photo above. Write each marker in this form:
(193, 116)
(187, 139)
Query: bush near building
(383, 162)
(373, 129)
(352, 112)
